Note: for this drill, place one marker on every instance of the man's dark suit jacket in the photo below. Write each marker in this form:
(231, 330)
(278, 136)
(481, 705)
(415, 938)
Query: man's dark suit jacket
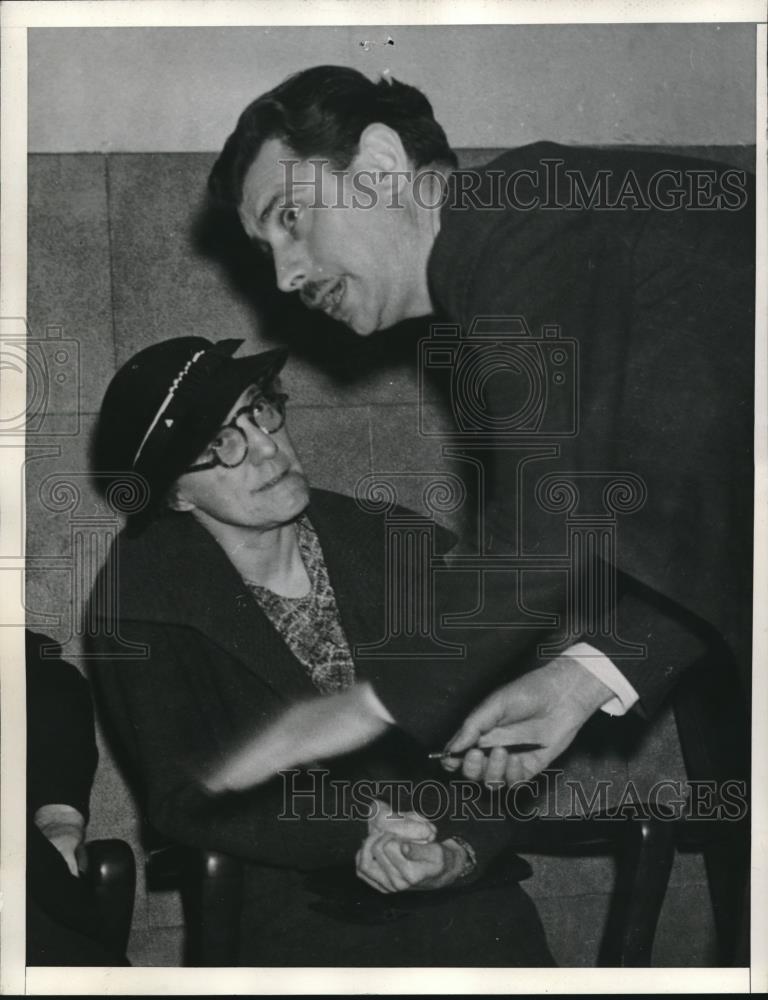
(660, 305)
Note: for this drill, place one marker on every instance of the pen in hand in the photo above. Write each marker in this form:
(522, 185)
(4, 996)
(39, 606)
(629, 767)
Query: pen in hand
(509, 747)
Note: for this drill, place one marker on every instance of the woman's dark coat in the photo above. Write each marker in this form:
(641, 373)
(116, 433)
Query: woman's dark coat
(189, 665)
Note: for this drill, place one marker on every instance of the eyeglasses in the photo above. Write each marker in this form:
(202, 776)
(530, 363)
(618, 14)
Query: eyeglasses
(230, 446)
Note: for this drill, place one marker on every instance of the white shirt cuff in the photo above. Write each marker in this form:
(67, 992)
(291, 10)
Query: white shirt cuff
(600, 666)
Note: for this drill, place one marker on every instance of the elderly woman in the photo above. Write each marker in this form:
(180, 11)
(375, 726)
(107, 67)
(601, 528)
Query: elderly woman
(239, 592)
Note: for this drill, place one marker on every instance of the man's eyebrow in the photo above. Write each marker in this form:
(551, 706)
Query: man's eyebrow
(258, 241)
(269, 208)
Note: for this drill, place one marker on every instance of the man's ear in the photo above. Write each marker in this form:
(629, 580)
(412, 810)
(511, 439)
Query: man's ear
(381, 150)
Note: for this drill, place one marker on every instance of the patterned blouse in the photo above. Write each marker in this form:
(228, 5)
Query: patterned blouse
(311, 625)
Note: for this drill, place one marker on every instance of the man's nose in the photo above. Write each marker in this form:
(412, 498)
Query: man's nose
(290, 269)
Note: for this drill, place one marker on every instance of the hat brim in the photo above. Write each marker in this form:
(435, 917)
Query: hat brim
(213, 402)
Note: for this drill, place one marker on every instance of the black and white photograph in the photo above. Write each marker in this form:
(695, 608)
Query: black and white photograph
(383, 498)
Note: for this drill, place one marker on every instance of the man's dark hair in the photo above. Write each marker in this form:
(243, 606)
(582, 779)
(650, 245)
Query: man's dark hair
(320, 113)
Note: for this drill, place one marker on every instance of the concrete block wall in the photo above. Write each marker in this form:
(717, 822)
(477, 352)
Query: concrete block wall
(122, 253)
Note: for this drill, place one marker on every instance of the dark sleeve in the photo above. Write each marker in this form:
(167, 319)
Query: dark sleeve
(432, 706)
(171, 717)
(441, 671)
(674, 639)
(61, 745)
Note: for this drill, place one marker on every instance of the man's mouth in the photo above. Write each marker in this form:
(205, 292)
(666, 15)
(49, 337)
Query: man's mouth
(331, 298)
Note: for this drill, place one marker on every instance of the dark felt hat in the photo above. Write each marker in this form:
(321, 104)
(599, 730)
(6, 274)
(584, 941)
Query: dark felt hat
(165, 405)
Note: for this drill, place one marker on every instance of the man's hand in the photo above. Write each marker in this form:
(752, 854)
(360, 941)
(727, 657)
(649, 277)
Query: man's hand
(64, 826)
(306, 732)
(547, 706)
